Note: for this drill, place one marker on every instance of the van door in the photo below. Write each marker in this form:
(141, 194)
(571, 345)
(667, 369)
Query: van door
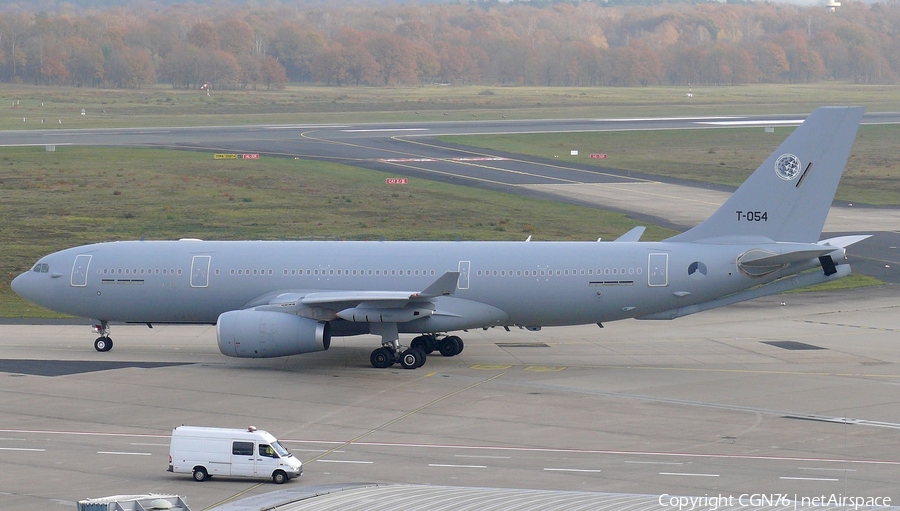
(267, 461)
(243, 459)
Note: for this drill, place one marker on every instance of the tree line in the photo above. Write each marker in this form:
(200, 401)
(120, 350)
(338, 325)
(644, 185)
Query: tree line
(488, 43)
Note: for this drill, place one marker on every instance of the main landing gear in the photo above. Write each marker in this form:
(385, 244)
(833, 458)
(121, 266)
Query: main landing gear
(419, 349)
(104, 342)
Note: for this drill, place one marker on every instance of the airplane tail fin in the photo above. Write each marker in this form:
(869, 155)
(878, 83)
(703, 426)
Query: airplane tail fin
(788, 197)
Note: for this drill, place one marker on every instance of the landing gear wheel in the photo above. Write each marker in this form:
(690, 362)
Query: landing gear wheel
(423, 359)
(103, 344)
(279, 477)
(200, 474)
(426, 343)
(381, 358)
(450, 346)
(412, 358)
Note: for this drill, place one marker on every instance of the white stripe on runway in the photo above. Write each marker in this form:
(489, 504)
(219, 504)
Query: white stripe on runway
(456, 466)
(687, 474)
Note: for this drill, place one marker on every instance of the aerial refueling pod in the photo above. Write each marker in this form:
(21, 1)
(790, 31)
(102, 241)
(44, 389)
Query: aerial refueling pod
(261, 334)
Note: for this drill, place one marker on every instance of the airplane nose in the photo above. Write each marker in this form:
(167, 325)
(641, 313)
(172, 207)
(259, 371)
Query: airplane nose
(22, 286)
(18, 284)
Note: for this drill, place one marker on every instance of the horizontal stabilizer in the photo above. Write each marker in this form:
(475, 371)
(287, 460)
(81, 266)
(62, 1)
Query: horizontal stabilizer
(845, 241)
(779, 286)
(764, 258)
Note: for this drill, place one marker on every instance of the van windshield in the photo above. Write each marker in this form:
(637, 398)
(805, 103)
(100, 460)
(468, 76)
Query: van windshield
(282, 452)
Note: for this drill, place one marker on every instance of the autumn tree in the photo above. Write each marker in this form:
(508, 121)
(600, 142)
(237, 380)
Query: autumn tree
(272, 73)
(396, 59)
(490, 43)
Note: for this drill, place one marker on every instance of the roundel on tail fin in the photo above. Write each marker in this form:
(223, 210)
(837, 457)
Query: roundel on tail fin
(787, 166)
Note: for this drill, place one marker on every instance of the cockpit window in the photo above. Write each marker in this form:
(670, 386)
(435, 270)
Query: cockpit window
(41, 268)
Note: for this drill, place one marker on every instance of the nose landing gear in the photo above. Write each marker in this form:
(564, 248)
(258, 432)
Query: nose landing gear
(104, 342)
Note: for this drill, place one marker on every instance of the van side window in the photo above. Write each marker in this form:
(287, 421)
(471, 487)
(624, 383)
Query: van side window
(242, 449)
(265, 450)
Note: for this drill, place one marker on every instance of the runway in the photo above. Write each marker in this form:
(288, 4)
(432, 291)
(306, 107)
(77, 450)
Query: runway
(709, 404)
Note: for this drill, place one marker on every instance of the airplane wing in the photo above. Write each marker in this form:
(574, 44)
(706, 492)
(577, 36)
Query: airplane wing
(443, 286)
(401, 306)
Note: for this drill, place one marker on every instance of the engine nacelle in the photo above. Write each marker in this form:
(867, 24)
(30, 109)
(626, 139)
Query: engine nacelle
(261, 334)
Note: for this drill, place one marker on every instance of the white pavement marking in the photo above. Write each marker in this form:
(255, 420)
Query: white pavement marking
(474, 456)
(687, 474)
(656, 462)
(808, 478)
(752, 123)
(572, 470)
(21, 449)
(385, 129)
(831, 469)
(455, 466)
(117, 453)
(664, 119)
(357, 462)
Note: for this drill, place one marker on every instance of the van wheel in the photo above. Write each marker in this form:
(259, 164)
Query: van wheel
(200, 474)
(279, 477)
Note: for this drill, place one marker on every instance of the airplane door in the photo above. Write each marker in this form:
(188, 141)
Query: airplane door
(463, 282)
(658, 270)
(200, 271)
(79, 270)
(243, 459)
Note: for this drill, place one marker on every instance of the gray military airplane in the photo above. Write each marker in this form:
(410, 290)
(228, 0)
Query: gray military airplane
(280, 298)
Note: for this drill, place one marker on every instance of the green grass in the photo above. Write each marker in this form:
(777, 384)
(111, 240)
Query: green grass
(24, 107)
(852, 281)
(721, 156)
(78, 195)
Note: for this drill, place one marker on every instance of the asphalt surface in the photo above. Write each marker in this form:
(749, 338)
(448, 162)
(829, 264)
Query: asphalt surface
(757, 398)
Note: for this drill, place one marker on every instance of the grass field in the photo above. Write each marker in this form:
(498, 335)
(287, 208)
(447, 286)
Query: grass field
(721, 156)
(28, 107)
(51, 201)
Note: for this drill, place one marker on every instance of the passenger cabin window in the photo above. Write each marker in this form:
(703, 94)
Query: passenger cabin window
(242, 449)
(267, 451)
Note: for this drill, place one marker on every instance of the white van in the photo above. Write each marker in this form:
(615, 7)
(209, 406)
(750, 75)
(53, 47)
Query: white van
(205, 452)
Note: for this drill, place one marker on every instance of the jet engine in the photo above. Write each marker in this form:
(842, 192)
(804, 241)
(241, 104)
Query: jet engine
(260, 334)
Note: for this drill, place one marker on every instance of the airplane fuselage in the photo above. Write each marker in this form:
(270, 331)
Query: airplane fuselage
(533, 283)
